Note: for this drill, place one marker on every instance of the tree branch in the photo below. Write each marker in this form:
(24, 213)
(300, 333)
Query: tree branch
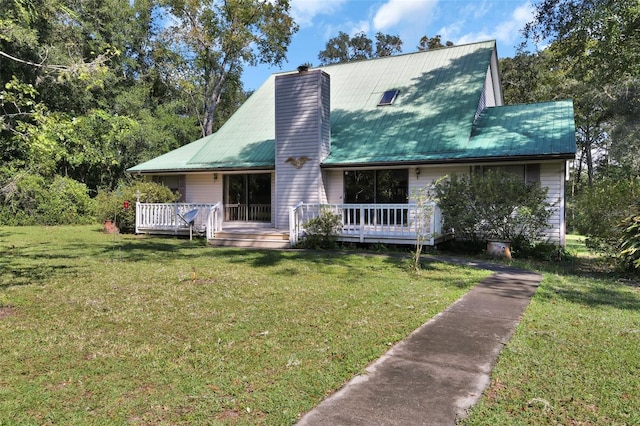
(41, 65)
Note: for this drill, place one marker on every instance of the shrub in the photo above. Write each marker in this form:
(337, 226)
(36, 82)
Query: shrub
(494, 206)
(629, 230)
(537, 250)
(110, 204)
(31, 199)
(600, 212)
(67, 203)
(322, 230)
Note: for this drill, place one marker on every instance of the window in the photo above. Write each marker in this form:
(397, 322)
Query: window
(176, 183)
(388, 97)
(376, 186)
(527, 172)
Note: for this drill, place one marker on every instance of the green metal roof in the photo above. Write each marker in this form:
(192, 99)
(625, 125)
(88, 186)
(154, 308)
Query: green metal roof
(439, 92)
(527, 130)
(430, 120)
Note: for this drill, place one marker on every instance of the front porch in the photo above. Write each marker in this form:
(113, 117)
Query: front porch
(361, 223)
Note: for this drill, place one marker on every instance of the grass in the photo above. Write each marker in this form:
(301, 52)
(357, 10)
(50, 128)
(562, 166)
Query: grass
(101, 329)
(574, 359)
(575, 245)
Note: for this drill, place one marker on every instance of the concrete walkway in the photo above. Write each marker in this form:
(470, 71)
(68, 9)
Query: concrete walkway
(435, 375)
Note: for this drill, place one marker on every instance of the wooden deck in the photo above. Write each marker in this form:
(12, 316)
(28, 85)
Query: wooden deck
(361, 223)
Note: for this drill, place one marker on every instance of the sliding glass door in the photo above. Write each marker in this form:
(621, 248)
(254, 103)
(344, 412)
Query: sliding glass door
(247, 197)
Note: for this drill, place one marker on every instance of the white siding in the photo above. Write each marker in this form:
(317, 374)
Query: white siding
(489, 94)
(495, 80)
(201, 188)
(429, 174)
(552, 177)
(302, 130)
(273, 197)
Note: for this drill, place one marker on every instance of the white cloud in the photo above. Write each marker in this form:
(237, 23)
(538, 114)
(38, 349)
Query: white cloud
(507, 32)
(395, 12)
(304, 11)
(360, 27)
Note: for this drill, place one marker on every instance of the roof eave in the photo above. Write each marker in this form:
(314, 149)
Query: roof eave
(198, 170)
(546, 157)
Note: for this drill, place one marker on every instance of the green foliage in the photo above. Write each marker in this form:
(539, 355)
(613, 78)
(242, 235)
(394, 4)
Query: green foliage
(344, 48)
(528, 78)
(85, 92)
(595, 45)
(212, 42)
(599, 37)
(109, 205)
(432, 43)
(601, 208)
(496, 205)
(387, 45)
(28, 199)
(537, 251)
(629, 230)
(322, 230)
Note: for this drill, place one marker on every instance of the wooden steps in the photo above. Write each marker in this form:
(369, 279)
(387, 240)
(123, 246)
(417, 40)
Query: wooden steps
(251, 237)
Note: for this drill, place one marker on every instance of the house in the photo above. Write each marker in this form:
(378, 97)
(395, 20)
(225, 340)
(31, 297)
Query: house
(358, 138)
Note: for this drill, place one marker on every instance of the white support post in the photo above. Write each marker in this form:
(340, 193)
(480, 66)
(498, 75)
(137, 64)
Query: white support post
(361, 224)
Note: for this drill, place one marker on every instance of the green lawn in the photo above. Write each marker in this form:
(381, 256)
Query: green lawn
(575, 245)
(575, 357)
(103, 329)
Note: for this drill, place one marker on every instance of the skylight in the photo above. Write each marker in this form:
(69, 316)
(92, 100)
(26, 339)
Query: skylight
(388, 97)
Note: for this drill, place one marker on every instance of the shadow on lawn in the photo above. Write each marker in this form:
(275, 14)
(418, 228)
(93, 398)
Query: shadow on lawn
(600, 294)
(32, 264)
(270, 258)
(592, 282)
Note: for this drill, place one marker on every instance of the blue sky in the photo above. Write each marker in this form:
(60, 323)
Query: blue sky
(460, 21)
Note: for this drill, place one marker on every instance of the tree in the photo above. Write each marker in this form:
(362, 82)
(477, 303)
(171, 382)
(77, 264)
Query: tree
(540, 77)
(602, 209)
(423, 199)
(427, 43)
(81, 94)
(215, 40)
(387, 45)
(597, 37)
(598, 42)
(529, 78)
(344, 48)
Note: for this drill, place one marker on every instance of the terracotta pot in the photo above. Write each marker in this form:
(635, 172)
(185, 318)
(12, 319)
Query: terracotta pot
(499, 249)
(110, 227)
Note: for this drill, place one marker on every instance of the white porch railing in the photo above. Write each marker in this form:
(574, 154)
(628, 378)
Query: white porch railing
(169, 217)
(370, 222)
(244, 212)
